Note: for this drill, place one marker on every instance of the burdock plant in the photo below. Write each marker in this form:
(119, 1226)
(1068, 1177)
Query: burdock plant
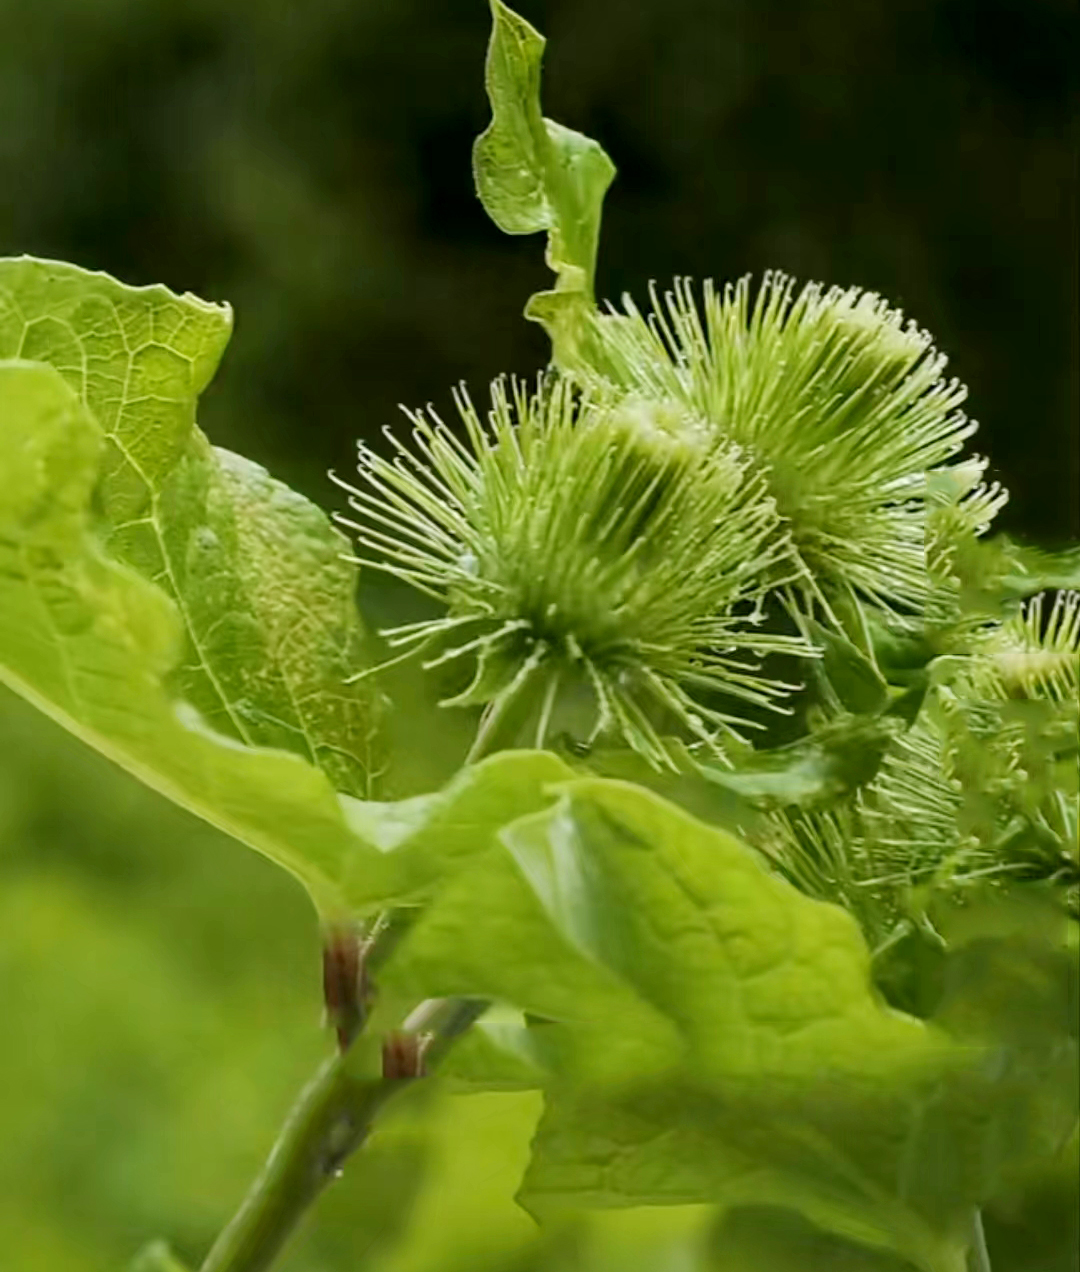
(761, 868)
(621, 532)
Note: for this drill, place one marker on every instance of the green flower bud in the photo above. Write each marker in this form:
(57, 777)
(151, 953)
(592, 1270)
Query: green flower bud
(832, 397)
(611, 553)
(960, 508)
(875, 348)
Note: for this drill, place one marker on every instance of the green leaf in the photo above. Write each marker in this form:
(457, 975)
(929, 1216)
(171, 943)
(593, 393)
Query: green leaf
(711, 802)
(1013, 571)
(768, 1239)
(848, 673)
(486, 934)
(422, 839)
(711, 1035)
(271, 628)
(91, 642)
(799, 1089)
(901, 653)
(95, 645)
(268, 599)
(532, 174)
(1011, 981)
(815, 772)
(499, 1053)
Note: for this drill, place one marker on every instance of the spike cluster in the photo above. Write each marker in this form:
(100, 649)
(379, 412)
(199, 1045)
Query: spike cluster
(897, 835)
(1034, 654)
(612, 553)
(839, 402)
(611, 538)
(979, 788)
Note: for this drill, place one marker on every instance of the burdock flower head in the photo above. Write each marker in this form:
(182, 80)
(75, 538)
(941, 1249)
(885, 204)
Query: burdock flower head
(830, 393)
(596, 559)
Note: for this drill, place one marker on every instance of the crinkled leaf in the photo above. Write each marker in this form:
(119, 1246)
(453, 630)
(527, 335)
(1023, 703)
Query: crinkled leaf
(800, 1088)
(90, 641)
(532, 174)
(272, 633)
(711, 1034)
(269, 604)
(95, 645)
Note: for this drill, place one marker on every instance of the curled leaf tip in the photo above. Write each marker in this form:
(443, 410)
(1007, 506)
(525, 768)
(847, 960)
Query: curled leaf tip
(533, 174)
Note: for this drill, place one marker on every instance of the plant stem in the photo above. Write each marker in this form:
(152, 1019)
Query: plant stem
(333, 1116)
(980, 1255)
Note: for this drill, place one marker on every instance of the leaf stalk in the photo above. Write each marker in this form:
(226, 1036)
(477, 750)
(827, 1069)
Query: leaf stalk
(331, 1120)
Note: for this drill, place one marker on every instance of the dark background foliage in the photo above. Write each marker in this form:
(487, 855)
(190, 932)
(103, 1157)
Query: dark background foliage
(309, 162)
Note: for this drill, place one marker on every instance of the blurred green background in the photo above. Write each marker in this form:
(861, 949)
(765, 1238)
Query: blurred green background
(310, 164)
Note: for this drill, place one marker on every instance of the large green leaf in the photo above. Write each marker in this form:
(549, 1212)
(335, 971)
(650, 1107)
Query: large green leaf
(800, 1088)
(91, 642)
(486, 934)
(794, 1078)
(711, 1034)
(533, 174)
(257, 573)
